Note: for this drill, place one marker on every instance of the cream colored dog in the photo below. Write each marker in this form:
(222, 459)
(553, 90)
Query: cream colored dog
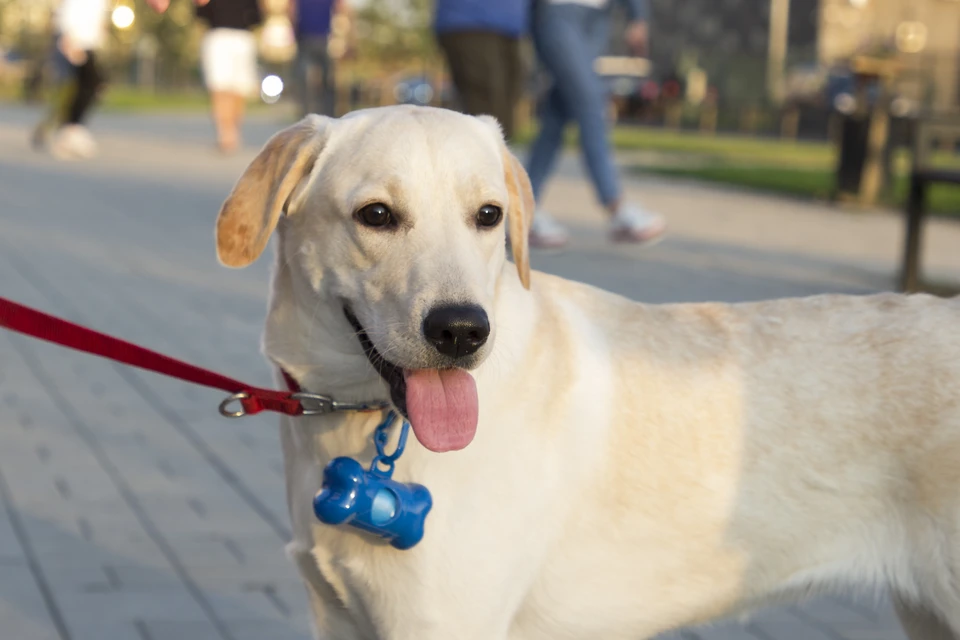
(611, 469)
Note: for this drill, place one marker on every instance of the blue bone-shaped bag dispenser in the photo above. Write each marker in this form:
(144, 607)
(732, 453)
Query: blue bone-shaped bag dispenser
(369, 500)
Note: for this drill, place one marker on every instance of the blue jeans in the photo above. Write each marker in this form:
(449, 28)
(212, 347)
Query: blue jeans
(568, 38)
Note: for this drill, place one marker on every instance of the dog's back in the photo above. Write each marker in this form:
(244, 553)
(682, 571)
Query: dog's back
(769, 447)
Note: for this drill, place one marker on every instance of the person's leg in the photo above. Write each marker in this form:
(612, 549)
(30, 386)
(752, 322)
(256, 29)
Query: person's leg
(246, 82)
(215, 63)
(569, 56)
(62, 95)
(302, 76)
(222, 107)
(73, 139)
(630, 223)
(89, 83)
(312, 75)
(511, 77)
(222, 57)
(232, 77)
(319, 80)
(552, 113)
(495, 65)
(580, 35)
(328, 80)
(553, 117)
(239, 111)
(474, 68)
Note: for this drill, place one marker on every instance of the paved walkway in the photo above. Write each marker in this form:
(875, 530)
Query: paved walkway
(129, 510)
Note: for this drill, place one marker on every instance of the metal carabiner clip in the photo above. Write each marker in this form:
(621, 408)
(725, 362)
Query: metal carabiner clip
(314, 404)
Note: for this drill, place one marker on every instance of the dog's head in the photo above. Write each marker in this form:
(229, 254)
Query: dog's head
(395, 220)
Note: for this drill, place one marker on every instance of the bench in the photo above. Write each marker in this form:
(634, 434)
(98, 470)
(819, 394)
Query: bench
(922, 175)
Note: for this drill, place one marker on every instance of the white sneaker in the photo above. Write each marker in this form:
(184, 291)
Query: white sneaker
(633, 224)
(73, 142)
(546, 232)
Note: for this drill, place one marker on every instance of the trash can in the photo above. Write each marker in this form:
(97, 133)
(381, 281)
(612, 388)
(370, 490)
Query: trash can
(863, 106)
(854, 132)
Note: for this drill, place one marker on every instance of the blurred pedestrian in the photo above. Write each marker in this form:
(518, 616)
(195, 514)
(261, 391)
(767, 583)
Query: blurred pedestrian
(228, 56)
(481, 41)
(81, 27)
(316, 80)
(569, 35)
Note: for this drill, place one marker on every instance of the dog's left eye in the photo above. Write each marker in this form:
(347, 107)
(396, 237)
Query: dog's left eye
(375, 215)
(489, 216)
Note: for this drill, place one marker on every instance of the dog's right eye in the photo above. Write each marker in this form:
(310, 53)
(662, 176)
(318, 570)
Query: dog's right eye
(375, 215)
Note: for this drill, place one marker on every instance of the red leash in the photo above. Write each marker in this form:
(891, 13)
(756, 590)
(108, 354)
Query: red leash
(31, 322)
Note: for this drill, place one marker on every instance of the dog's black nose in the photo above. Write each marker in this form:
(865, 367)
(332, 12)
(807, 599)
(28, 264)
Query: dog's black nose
(457, 331)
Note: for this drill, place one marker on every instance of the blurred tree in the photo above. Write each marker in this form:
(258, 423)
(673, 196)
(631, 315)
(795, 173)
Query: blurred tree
(177, 38)
(393, 33)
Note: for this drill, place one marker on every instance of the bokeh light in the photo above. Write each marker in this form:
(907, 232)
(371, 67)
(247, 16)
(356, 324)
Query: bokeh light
(122, 17)
(271, 88)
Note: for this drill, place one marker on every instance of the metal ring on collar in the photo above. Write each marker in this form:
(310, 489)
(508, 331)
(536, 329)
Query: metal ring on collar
(237, 397)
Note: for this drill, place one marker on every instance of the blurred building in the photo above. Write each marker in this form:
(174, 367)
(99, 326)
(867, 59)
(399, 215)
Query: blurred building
(730, 39)
(924, 34)
(727, 39)
(727, 28)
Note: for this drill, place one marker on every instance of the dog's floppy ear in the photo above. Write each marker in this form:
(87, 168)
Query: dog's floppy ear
(250, 213)
(521, 205)
(520, 214)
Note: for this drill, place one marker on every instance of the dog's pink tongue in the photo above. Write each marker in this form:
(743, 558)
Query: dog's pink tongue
(443, 407)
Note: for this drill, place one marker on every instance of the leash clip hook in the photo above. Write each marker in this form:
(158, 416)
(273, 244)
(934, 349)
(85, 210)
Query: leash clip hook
(314, 404)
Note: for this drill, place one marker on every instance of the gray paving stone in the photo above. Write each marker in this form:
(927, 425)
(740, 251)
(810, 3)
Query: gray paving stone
(727, 631)
(91, 608)
(840, 612)
(10, 550)
(105, 630)
(299, 630)
(23, 613)
(176, 630)
(782, 624)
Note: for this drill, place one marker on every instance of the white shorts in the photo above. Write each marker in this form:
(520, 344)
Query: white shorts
(229, 60)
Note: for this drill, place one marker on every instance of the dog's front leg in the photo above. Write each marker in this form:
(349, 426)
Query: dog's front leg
(330, 619)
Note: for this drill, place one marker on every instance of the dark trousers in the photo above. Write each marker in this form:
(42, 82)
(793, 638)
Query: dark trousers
(88, 81)
(315, 76)
(486, 68)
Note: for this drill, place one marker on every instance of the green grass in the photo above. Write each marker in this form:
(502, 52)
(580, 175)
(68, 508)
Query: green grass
(126, 99)
(797, 169)
(810, 183)
(132, 100)
(807, 183)
(718, 148)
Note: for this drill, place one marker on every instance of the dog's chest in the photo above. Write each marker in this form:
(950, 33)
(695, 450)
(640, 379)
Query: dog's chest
(377, 589)
(471, 571)
(421, 594)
